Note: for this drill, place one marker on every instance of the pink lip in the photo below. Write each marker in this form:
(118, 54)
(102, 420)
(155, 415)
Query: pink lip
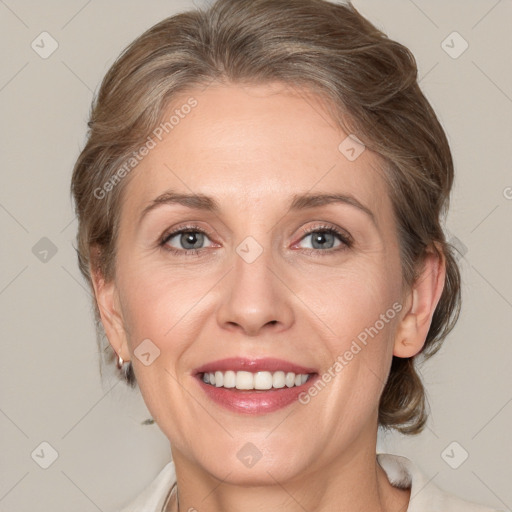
(254, 401)
(267, 364)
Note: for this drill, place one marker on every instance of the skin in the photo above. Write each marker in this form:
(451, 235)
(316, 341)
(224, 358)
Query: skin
(252, 148)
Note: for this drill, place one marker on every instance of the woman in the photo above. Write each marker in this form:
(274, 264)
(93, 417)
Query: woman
(260, 202)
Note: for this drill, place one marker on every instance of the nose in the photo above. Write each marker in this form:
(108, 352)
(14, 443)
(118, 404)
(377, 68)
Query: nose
(255, 297)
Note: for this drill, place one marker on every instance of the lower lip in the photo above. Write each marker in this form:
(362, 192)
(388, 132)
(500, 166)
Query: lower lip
(253, 401)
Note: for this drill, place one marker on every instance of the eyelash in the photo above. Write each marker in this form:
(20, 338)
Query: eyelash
(344, 238)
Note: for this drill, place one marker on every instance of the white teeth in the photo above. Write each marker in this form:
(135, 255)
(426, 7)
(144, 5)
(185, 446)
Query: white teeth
(244, 380)
(289, 379)
(229, 379)
(263, 380)
(278, 380)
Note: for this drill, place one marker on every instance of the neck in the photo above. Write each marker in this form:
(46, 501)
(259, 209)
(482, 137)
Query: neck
(351, 482)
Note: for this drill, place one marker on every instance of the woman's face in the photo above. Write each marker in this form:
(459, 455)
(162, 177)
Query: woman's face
(270, 272)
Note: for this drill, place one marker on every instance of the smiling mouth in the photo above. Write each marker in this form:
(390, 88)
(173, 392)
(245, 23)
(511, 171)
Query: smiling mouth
(254, 381)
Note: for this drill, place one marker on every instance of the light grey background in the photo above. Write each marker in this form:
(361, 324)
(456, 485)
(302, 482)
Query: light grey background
(51, 390)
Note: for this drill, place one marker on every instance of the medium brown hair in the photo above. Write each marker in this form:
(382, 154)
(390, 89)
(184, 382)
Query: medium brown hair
(368, 80)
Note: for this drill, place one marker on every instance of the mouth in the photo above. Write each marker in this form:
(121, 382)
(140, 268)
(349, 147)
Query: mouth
(254, 386)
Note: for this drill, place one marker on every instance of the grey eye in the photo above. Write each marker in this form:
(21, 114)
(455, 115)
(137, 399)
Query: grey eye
(187, 240)
(322, 239)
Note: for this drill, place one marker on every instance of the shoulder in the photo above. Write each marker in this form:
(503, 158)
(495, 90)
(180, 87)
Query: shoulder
(425, 495)
(153, 497)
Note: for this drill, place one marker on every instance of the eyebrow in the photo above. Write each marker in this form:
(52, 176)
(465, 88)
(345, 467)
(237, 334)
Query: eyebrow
(299, 202)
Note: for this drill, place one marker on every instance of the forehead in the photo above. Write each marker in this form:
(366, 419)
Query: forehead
(249, 145)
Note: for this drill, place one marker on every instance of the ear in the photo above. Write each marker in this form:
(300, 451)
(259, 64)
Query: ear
(107, 298)
(420, 306)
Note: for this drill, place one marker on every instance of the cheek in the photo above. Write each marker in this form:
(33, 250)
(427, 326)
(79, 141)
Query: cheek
(158, 306)
(156, 300)
(350, 299)
(359, 317)
(359, 312)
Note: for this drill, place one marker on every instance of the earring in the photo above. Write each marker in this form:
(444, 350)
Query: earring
(119, 362)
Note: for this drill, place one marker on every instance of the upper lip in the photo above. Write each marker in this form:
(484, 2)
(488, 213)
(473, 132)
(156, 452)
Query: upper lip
(253, 365)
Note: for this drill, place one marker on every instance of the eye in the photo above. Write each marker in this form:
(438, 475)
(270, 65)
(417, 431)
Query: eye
(325, 237)
(187, 240)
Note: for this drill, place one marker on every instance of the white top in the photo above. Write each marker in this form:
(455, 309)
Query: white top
(401, 472)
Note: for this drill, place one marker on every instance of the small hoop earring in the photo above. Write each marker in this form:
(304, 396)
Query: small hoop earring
(119, 362)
